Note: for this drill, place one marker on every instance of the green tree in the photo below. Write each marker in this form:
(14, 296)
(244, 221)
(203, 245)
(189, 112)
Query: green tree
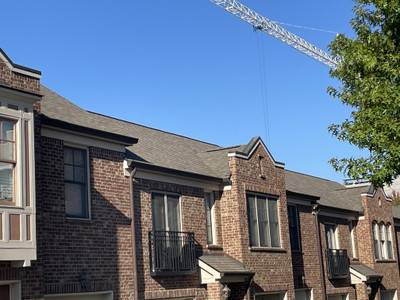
(369, 77)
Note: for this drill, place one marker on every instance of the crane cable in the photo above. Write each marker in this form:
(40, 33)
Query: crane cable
(263, 81)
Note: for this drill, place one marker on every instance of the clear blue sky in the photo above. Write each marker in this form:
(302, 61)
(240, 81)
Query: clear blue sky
(189, 67)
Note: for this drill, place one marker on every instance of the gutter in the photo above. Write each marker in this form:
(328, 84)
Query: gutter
(133, 234)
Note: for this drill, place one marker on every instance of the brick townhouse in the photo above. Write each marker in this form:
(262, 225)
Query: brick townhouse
(92, 207)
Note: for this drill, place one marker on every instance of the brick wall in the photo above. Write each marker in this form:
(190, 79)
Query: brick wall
(18, 81)
(378, 209)
(273, 267)
(193, 220)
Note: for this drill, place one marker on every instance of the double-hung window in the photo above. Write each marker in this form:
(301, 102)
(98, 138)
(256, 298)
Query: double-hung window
(7, 161)
(382, 235)
(210, 217)
(263, 221)
(166, 212)
(76, 183)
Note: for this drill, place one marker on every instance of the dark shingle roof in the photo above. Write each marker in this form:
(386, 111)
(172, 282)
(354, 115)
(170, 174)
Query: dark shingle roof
(330, 193)
(224, 263)
(156, 147)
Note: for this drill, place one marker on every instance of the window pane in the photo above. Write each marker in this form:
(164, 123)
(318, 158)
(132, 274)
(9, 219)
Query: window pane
(8, 150)
(158, 212)
(293, 228)
(375, 231)
(253, 226)
(173, 213)
(80, 174)
(389, 242)
(8, 131)
(73, 200)
(382, 237)
(68, 172)
(330, 236)
(274, 223)
(68, 157)
(6, 182)
(79, 159)
(263, 221)
(209, 202)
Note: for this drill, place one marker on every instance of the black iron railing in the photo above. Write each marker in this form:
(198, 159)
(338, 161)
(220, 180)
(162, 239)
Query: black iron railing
(338, 263)
(172, 253)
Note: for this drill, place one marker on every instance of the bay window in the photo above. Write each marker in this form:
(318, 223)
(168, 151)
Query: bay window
(7, 161)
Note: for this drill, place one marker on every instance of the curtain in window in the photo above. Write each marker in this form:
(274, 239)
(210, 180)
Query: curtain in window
(375, 230)
(6, 182)
(173, 213)
(158, 212)
(254, 241)
(274, 223)
(263, 221)
(209, 205)
(389, 241)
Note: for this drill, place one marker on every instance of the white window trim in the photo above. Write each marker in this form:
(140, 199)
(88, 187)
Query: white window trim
(89, 202)
(15, 288)
(352, 240)
(213, 224)
(383, 246)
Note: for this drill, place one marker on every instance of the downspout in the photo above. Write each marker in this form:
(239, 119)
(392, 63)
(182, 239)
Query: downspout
(315, 212)
(133, 234)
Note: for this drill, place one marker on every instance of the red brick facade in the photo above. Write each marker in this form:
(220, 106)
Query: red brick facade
(83, 256)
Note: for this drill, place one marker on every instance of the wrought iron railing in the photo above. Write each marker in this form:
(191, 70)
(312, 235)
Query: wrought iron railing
(172, 253)
(338, 263)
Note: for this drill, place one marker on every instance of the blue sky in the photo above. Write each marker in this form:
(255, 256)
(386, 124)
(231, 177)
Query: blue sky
(189, 67)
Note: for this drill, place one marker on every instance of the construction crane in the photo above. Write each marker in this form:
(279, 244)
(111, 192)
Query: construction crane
(259, 22)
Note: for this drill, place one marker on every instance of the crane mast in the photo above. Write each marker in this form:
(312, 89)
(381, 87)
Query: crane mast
(261, 23)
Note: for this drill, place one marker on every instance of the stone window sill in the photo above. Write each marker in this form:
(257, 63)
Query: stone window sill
(267, 249)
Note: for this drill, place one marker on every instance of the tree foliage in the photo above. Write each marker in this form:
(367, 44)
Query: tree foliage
(369, 76)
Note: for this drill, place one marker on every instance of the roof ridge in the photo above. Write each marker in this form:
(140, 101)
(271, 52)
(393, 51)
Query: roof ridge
(313, 176)
(223, 148)
(152, 128)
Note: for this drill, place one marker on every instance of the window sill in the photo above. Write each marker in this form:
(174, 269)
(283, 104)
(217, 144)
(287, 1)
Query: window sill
(267, 249)
(214, 247)
(77, 219)
(385, 260)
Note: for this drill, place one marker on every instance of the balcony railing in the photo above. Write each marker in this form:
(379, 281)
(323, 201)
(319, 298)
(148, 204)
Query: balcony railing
(338, 264)
(172, 253)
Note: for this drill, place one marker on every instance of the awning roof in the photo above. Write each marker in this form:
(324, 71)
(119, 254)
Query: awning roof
(361, 273)
(222, 268)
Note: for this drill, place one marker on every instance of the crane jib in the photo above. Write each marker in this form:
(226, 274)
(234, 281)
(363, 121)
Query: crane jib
(263, 24)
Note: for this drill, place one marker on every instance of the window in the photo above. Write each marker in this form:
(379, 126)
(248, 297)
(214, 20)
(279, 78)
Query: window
(7, 161)
(388, 295)
(76, 183)
(263, 221)
(210, 217)
(294, 228)
(331, 238)
(382, 235)
(276, 296)
(338, 297)
(303, 294)
(352, 244)
(166, 212)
